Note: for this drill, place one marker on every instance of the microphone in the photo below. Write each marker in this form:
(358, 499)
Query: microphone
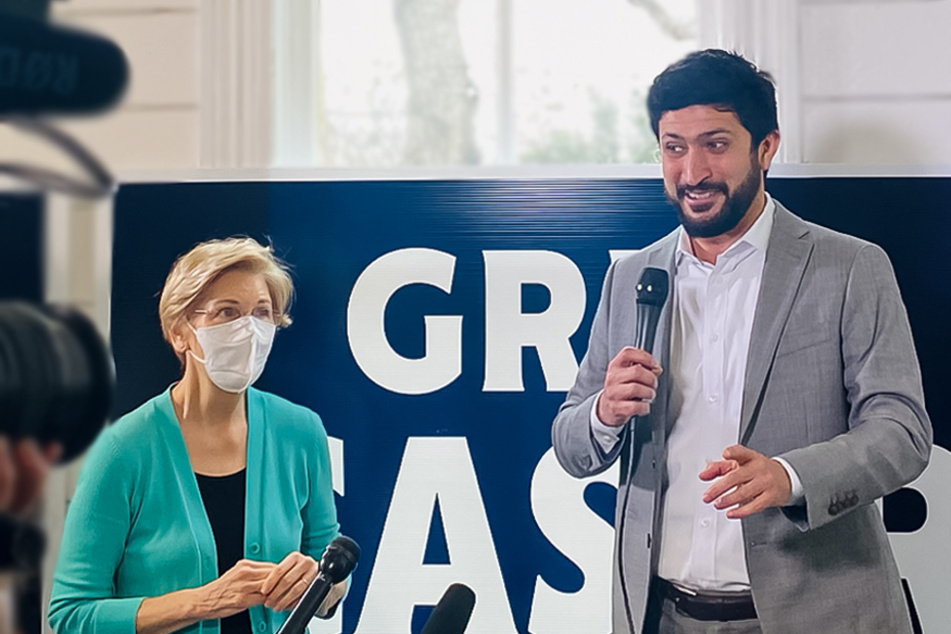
(338, 561)
(451, 614)
(652, 291)
(47, 69)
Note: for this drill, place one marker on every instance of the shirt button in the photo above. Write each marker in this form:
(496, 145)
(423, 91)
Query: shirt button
(715, 338)
(255, 549)
(712, 398)
(705, 522)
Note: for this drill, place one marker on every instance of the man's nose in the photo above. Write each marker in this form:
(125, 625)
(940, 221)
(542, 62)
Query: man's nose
(696, 168)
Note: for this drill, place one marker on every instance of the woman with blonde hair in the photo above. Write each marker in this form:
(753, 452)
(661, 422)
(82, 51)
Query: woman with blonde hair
(212, 501)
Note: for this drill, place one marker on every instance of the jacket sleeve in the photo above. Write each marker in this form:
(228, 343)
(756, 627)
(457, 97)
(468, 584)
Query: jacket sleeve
(889, 437)
(319, 512)
(97, 524)
(575, 446)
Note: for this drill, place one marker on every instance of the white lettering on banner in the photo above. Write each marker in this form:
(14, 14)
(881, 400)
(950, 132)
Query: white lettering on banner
(435, 469)
(508, 329)
(584, 538)
(333, 625)
(923, 556)
(366, 331)
(335, 445)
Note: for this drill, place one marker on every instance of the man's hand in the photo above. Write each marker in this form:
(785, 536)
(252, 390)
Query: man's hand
(23, 471)
(746, 482)
(630, 386)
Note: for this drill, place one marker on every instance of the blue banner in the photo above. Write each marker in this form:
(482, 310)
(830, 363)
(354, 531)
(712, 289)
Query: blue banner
(437, 326)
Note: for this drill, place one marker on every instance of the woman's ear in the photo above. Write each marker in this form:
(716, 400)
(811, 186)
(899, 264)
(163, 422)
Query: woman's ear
(178, 339)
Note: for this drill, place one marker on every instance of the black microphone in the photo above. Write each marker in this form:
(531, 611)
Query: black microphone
(48, 69)
(338, 561)
(652, 291)
(451, 614)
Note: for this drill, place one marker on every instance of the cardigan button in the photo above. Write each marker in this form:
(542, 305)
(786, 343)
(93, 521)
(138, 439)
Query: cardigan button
(255, 549)
(262, 626)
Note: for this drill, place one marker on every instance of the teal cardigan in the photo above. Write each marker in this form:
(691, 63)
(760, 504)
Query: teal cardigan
(137, 527)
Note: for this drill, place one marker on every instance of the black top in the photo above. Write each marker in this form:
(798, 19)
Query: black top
(223, 497)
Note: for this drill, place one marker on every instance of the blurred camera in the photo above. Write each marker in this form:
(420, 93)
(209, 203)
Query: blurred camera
(56, 376)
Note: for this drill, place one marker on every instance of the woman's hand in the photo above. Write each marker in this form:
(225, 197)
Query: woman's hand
(286, 583)
(236, 590)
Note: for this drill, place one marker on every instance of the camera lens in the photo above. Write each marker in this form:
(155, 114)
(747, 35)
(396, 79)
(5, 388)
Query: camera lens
(56, 376)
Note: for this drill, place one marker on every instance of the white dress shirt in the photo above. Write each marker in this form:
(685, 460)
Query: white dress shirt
(712, 320)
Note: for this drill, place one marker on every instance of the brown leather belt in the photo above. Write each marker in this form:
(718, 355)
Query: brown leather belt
(709, 606)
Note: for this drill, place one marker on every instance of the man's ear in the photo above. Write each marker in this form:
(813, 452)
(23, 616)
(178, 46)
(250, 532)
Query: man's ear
(767, 149)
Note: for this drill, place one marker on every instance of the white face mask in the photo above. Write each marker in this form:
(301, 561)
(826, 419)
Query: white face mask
(235, 352)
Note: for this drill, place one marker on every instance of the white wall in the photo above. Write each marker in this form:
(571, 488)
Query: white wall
(875, 84)
(156, 124)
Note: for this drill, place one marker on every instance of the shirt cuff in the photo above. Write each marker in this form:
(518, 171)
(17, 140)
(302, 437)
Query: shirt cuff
(797, 496)
(605, 435)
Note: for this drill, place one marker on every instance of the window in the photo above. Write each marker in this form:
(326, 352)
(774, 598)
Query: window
(472, 82)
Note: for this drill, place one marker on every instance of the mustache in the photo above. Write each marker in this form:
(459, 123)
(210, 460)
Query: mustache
(682, 190)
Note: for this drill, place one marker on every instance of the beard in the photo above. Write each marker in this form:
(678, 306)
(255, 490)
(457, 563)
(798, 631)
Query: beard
(735, 205)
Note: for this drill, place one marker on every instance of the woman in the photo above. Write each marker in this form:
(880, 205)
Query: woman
(213, 500)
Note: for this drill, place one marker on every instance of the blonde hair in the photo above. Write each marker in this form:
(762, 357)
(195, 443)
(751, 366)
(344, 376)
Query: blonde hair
(194, 271)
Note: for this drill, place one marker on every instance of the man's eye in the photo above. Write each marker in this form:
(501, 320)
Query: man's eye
(718, 145)
(674, 149)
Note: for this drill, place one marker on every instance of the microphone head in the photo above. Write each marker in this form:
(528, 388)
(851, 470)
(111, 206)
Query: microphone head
(653, 286)
(339, 559)
(47, 69)
(451, 614)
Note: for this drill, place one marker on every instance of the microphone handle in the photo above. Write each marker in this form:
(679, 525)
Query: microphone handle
(305, 609)
(647, 317)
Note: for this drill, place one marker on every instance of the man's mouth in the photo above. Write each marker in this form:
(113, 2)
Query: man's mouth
(700, 199)
(703, 194)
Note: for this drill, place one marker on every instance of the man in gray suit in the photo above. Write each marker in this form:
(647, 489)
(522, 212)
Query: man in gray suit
(790, 398)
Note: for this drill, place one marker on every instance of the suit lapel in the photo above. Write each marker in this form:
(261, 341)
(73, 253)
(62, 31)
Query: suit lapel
(786, 257)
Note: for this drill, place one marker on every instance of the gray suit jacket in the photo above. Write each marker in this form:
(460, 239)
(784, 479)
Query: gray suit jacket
(832, 386)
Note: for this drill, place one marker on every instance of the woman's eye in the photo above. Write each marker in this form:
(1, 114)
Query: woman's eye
(263, 313)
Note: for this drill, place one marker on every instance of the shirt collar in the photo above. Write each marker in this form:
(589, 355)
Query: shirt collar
(757, 236)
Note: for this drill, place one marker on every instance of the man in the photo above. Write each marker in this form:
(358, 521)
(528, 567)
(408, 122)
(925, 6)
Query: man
(790, 398)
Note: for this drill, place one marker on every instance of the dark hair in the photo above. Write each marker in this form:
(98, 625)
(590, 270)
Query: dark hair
(717, 78)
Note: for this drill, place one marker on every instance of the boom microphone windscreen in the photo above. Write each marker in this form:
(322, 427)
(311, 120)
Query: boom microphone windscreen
(46, 69)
